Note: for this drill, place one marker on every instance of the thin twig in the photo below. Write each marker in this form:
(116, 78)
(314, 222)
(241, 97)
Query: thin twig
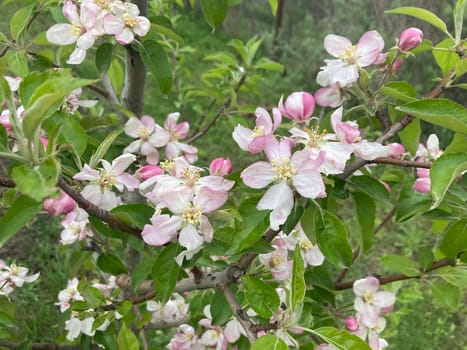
(398, 277)
(400, 162)
(386, 219)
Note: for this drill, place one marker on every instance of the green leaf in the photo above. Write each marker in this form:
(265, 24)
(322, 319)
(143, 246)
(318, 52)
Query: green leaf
(104, 147)
(214, 11)
(6, 320)
(366, 213)
(293, 219)
(269, 342)
(343, 340)
(268, 64)
(126, 339)
(446, 294)
(104, 57)
(134, 214)
(109, 263)
(156, 61)
(116, 75)
(445, 55)
(297, 285)
(37, 182)
(21, 211)
(370, 186)
(255, 223)
(17, 62)
(261, 296)
(71, 132)
(142, 271)
(457, 276)
(165, 272)
(167, 32)
(20, 20)
(444, 171)
(422, 14)
(461, 68)
(220, 309)
(455, 239)
(331, 237)
(410, 135)
(458, 20)
(273, 5)
(105, 230)
(458, 144)
(399, 90)
(442, 112)
(400, 264)
(93, 296)
(3, 140)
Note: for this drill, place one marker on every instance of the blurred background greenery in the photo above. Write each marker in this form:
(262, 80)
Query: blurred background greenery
(418, 321)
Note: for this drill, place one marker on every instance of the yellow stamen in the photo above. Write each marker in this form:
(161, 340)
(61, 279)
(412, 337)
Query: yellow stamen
(192, 214)
(348, 55)
(283, 169)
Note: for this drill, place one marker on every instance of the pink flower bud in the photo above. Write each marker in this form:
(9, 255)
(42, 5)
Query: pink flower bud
(298, 106)
(396, 150)
(351, 324)
(422, 185)
(148, 171)
(220, 166)
(410, 39)
(397, 65)
(61, 205)
(422, 172)
(386, 186)
(387, 308)
(44, 141)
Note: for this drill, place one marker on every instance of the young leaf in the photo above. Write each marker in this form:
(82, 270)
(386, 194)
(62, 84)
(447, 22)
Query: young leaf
(444, 171)
(399, 90)
(261, 296)
(126, 339)
(220, 309)
(400, 264)
(331, 236)
(445, 55)
(455, 239)
(156, 61)
(269, 342)
(443, 112)
(297, 286)
(214, 11)
(422, 14)
(17, 62)
(410, 136)
(165, 272)
(20, 20)
(21, 211)
(273, 4)
(104, 57)
(410, 202)
(134, 214)
(457, 276)
(446, 294)
(370, 186)
(104, 147)
(366, 212)
(458, 20)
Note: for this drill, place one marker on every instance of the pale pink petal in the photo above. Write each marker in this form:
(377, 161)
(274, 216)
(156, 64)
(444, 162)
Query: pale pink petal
(112, 24)
(142, 26)
(178, 199)
(70, 11)
(306, 160)
(160, 138)
(205, 229)
(368, 314)
(369, 48)
(432, 145)
(163, 229)
(243, 136)
(370, 150)
(60, 34)
(278, 198)
(85, 41)
(191, 240)
(369, 284)
(309, 185)
(278, 150)
(335, 44)
(121, 163)
(422, 185)
(313, 256)
(125, 37)
(210, 200)
(130, 181)
(87, 174)
(329, 96)
(133, 127)
(384, 299)
(263, 119)
(258, 175)
(77, 56)
(89, 12)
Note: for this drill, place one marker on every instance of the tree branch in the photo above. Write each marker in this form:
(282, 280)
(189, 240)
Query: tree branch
(398, 277)
(400, 162)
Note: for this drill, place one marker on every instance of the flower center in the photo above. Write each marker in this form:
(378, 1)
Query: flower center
(107, 180)
(103, 4)
(283, 169)
(192, 214)
(368, 297)
(315, 135)
(258, 131)
(74, 229)
(191, 175)
(348, 55)
(129, 20)
(168, 166)
(14, 270)
(275, 261)
(305, 244)
(77, 30)
(143, 133)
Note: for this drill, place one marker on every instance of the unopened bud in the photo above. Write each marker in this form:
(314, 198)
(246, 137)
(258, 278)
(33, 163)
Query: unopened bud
(396, 150)
(148, 171)
(220, 167)
(61, 205)
(351, 324)
(298, 106)
(410, 39)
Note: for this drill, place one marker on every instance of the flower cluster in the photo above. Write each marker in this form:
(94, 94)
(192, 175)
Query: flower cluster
(12, 276)
(426, 154)
(369, 304)
(296, 163)
(91, 19)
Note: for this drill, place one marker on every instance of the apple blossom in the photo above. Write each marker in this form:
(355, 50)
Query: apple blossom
(299, 106)
(69, 294)
(344, 70)
(98, 191)
(79, 30)
(300, 169)
(422, 185)
(178, 131)
(185, 339)
(74, 226)
(15, 275)
(75, 327)
(276, 261)
(254, 140)
(311, 253)
(369, 301)
(396, 150)
(330, 96)
(410, 38)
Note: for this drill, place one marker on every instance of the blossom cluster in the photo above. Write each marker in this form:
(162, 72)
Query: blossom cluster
(426, 154)
(91, 19)
(370, 303)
